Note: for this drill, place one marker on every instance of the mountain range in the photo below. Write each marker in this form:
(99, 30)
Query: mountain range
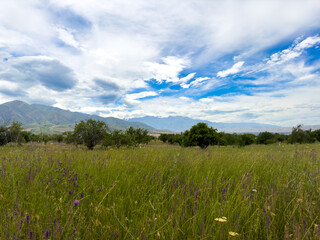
(41, 118)
(180, 124)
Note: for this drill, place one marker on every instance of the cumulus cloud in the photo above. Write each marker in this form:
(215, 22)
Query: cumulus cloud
(31, 71)
(233, 70)
(95, 52)
(169, 70)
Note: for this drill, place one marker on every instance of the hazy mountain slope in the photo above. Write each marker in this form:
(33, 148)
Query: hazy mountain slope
(178, 124)
(37, 117)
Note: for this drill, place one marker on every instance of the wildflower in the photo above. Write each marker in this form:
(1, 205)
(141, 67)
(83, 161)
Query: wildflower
(47, 234)
(60, 163)
(233, 234)
(221, 220)
(81, 195)
(76, 202)
(111, 185)
(254, 190)
(70, 192)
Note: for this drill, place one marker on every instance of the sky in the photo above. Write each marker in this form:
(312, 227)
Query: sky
(216, 60)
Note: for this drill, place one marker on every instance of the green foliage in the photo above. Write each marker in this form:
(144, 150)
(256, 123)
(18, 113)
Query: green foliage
(266, 138)
(163, 137)
(172, 138)
(90, 132)
(68, 137)
(131, 137)
(316, 135)
(231, 138)
(137, 136)
(298, 135)
(201, 135)
(118, 138)
(4, 135)
(15, 132)
(57, 138)
(245, 139)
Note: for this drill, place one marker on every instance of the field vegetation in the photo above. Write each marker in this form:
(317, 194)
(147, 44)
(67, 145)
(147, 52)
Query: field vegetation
(160, 191)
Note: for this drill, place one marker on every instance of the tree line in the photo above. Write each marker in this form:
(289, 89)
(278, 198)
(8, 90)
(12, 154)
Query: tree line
(89, 133)
(202, 135)
(92, 132)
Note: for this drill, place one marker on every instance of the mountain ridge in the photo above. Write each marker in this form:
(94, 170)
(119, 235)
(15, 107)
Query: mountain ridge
(180, 124)
(47, 119)
(39, 118)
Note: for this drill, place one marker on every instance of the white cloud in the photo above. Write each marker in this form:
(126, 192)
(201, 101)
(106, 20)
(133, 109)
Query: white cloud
(187, 78)
(233, 70)
(294, 51)
(130, 42)
(185, 98)
(67, 37)
(169, 70)
(141, 95)
(206, 100)
(196, 83)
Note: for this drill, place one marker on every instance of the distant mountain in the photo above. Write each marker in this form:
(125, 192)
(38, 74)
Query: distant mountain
(37, 118)
(180, 124)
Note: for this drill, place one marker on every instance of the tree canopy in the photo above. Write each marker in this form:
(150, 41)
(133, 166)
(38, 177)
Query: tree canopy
(90, 132)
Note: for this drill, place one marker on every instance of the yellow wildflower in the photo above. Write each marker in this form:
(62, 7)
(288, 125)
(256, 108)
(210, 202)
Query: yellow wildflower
(233, 234)
(222, 219)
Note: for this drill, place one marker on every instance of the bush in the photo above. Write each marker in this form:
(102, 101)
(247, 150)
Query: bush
(266, 138)
(245, 139)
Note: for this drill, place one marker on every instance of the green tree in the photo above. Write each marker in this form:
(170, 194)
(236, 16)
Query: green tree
(245, 139)
(201, 135)
(4, 135)
(298, 135)
(15, 132)
(68, 137)
(118, 138)
(316, 134)
(90, 132)
(266, 138)
(163, 137)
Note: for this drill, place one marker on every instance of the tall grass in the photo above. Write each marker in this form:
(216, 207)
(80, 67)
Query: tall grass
(264, 192)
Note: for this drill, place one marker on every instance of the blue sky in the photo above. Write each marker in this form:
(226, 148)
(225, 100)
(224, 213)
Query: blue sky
(223, 61)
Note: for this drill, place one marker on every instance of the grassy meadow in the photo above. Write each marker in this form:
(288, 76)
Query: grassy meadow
(160, 192)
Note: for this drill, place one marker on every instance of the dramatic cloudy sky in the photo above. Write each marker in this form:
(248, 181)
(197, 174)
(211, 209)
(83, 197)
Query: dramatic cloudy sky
(218, 60)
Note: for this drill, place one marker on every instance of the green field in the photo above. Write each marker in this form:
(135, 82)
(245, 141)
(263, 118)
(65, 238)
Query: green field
(160, 192)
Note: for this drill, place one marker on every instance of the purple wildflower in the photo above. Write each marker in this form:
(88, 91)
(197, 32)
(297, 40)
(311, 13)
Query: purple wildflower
(81, 195)
(47, 234)
(76, 202)
(111, 185)
(70, 192)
